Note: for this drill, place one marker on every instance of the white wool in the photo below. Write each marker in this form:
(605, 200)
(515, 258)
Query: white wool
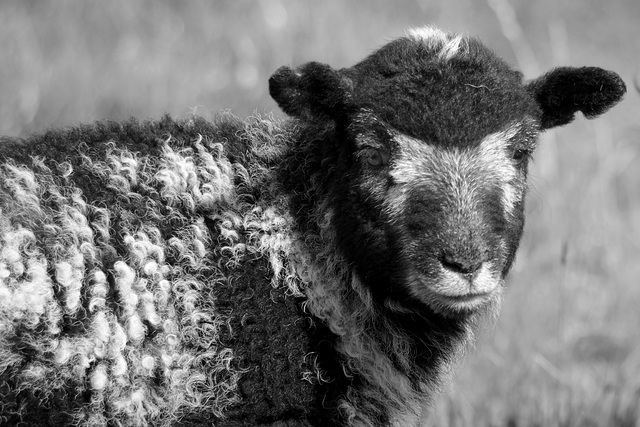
(99, 377)
(63, 352)
(119, 366)
(135, 329)
(446, 46)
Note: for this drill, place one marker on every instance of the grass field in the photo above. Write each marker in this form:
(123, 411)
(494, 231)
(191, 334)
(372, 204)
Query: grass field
(566, 349)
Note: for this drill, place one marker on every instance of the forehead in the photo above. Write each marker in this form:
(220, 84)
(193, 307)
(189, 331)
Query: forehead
(441, 88)
(492, 146)
(469, 171)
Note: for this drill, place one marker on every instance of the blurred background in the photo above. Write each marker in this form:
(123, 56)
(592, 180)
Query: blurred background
(566, 348)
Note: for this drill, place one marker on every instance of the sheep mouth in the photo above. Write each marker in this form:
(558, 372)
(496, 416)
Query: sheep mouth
(461, 303)
(452, 294)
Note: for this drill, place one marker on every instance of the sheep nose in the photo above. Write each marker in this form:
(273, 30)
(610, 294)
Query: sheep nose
(466, 266)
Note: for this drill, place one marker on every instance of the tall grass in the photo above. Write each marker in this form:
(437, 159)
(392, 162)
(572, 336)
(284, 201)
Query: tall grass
(565, 351)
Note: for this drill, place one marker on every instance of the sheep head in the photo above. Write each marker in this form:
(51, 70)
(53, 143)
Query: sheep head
(432, 135)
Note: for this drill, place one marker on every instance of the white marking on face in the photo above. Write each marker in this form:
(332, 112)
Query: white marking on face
(414, 164)
(413, 161)
(452, 292)
(454, 285)
(419, 164)
(494, 155)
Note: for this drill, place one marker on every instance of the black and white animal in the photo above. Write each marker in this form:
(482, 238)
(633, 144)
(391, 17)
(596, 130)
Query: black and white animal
(322, 270)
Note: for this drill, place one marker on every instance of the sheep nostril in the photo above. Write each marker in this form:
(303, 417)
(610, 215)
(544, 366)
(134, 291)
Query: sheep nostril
(460, 265)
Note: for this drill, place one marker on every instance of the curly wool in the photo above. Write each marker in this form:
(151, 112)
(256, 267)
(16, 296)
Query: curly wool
(116, 294)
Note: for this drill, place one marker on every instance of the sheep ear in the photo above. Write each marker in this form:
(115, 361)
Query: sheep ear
(311, 91)
(563, 91)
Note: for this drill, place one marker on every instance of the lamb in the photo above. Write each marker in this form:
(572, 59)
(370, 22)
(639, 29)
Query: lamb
(327, 269)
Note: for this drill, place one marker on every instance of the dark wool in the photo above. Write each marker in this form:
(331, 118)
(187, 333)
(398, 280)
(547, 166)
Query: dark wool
(324, 270)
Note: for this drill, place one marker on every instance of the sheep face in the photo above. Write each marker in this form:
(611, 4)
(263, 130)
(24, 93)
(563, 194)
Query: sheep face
(437, 224)
(431, 139)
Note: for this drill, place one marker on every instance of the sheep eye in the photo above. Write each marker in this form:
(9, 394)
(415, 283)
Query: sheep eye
(377, 157)
(519, 155)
